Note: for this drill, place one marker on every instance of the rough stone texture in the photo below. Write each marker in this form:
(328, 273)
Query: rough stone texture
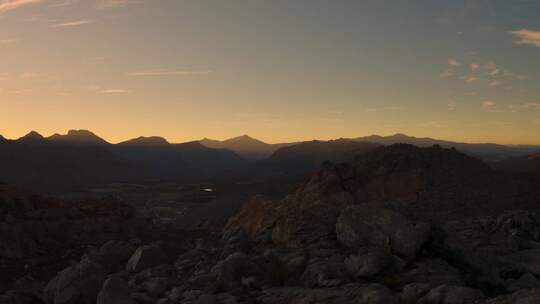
(145, 257)
(325, 272)
(115, 291)
(230, 271)
(446, 294)
(369, 264)
(77, 284)
(360, 227)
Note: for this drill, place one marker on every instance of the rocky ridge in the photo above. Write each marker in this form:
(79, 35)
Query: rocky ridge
(396, 225)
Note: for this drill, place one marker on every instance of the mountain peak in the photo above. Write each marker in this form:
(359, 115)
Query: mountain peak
(32, 136)
(244, 139)
(401, 135)
(80, 137)
(147, 141)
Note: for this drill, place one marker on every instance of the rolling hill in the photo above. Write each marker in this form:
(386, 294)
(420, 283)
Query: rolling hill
(245, 146)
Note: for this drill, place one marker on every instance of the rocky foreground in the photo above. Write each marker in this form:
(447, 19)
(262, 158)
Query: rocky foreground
(397, 225)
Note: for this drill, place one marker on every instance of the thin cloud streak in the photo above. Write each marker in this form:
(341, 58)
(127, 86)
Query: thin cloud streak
(9, 5)
(527, 37)
(74, 23)
(104, 4)
(166, 73)
(8, 41)
(114, 91)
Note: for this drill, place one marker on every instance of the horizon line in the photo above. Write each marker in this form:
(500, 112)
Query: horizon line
(267, 142)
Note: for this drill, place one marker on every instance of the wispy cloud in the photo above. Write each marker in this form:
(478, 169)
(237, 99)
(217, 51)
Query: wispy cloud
(453, 62)
(74, 23)
(8, 41)
(435, 124)
(487, 105)
(489, 73)
(106, 4)
(9, 5)
(474, 66)
(60, 4)
(114, 91)
(451, 106)
(525, 106)
(381, 109)
(167, 73)
(496, 83)
(468, 78)
(527, 37)
(33, 76)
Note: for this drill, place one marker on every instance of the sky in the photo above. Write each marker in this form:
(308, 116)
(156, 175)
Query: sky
(464, 70)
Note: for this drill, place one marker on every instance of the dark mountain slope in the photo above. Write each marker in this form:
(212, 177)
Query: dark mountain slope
(32, 137)
(153, 141)
(245, 146)
(53, 167)
(429, 184)
(308, 156)
(163, 160)
(526, 164)
(487, 152)
(81, 159)
(83, 137)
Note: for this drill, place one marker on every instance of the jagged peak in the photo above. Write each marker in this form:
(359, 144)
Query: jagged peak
(79, 136)
(32, 136)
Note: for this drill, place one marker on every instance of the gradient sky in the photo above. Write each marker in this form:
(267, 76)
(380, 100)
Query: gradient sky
(466, 70)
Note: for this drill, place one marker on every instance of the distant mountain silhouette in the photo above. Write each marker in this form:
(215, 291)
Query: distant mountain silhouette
(525, 164)
(165, 160)
(79, 137)
(32, 137)
(80, 159)
(309, 156)
(245, 146)
(153, 141)
(485, 151)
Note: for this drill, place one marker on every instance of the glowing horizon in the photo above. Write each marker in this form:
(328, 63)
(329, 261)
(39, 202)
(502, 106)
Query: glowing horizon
(280, 71)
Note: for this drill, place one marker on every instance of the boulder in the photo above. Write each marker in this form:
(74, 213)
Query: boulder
(376, 294)
(230, 271)
(145, 257)
(433, 272)
(361, 227)
(368, 265)
(114, 291)
(413, 292)
(525, 296)
(114, 253)
(325, 272)
(528, 260)
(446, 294)
(526, 281)
(78, 284)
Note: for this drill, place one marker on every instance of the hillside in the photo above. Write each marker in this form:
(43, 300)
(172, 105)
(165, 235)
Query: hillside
(245, 146)
(81, 159)
(525, 164)
(397, 224)
(485, 151)
(308, 156)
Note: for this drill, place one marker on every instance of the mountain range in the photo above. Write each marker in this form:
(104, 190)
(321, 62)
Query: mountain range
(245, 146)
(80, 158)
